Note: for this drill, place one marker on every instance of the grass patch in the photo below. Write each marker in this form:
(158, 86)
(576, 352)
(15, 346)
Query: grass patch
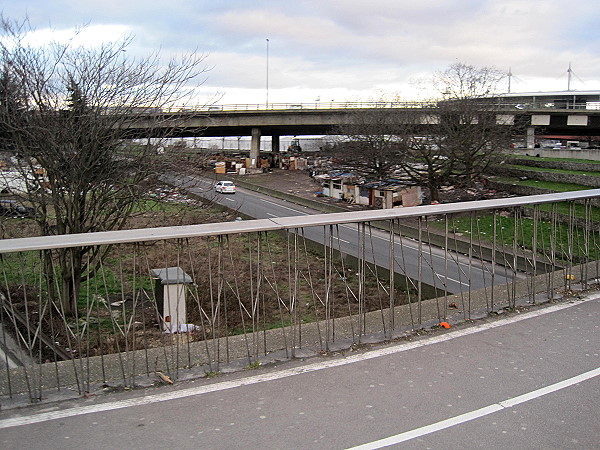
(542, 158)
(253, 365)
(553, 186)
(579, 211)
(549, 185)
(482, 227)
(573, 160)
(561, 171)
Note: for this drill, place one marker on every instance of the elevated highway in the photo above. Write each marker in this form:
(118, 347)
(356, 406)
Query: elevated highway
(313, 119)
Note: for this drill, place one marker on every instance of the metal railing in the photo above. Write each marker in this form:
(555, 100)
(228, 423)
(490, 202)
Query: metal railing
(301, 106)
(500, 104)
(196, 297)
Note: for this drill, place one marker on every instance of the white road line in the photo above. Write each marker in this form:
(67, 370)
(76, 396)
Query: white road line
(261, 378)
(284, 207)
(230, 200)
(478, 413)
(272, 215)
(384, 238)
(451, 279)
(387, 239)
(374, 235)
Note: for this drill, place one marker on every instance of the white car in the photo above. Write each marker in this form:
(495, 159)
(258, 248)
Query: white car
(225, 187)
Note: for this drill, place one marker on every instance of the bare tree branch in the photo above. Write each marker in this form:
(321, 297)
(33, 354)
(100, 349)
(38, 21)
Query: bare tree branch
(63, 114)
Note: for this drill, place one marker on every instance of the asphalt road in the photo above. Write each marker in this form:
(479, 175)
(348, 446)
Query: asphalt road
(531, 380)
(456, 273)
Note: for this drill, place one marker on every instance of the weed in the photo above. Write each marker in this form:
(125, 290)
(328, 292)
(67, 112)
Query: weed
(253, 365)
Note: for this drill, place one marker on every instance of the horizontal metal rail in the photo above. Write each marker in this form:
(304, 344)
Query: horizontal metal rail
(284, 223)
(197, 297)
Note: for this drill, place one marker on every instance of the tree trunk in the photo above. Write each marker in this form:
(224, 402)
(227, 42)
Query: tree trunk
(49, 274)
(433, 183)
(71, 270)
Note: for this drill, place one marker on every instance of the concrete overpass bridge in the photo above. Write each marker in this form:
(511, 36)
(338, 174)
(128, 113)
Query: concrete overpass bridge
(277, 120)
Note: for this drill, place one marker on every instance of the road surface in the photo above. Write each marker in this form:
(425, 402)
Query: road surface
(531, 380)
(456, 273)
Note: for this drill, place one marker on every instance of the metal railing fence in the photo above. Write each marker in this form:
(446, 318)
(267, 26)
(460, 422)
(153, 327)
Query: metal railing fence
(196, 297)
(499, 104)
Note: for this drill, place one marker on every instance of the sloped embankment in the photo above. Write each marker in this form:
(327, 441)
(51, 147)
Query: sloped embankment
(530, 176)
(583, 174)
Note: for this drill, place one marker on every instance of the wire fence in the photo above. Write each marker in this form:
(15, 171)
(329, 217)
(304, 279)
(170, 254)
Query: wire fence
(166, 301)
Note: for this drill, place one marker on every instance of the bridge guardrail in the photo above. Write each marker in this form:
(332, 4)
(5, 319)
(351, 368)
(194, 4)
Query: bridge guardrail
(500, 105)
(249, 292)
(434, 237)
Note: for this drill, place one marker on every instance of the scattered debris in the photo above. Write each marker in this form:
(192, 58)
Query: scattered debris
(183, 328)
(164, 378)
(172, 195)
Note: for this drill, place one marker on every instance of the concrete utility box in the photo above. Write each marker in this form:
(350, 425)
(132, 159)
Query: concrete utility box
(170, 296)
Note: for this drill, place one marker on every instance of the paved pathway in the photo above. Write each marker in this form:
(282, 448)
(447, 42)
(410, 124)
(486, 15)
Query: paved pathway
(531, 380)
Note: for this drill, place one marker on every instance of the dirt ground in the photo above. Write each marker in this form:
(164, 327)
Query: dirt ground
(296, 182)
(299, 182)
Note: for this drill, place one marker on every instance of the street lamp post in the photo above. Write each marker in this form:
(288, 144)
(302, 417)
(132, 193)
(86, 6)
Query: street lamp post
(267, 102)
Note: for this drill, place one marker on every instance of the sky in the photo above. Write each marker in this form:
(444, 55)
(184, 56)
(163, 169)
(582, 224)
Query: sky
(340, 50)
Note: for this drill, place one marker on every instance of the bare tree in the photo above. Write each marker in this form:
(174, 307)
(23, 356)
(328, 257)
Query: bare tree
(64, 113)
(452, 143)
(461, 81)
(469, 130)
(464, 135)
(424, 164)
(369, 140)
(471, 135)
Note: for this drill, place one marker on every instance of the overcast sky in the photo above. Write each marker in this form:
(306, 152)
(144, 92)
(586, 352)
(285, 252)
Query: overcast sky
(343, 50)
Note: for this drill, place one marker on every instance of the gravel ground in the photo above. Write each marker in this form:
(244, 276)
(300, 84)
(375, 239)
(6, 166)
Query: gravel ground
(298, 182)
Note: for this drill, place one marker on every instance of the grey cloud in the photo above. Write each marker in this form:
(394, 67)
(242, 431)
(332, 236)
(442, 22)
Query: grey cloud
(350, 44)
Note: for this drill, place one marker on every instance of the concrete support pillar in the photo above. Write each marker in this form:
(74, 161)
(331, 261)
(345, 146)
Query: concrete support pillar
(530, 138)
(275, 143)
(255, 148)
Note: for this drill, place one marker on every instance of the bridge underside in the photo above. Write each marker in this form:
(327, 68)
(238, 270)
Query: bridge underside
(269, 130)
(582, 123)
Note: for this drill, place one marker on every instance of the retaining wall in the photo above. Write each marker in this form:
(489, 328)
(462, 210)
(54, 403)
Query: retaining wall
(554, 177)
(565, 165)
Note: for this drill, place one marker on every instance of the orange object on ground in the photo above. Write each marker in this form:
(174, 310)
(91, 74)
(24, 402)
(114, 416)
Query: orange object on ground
(444, 324)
